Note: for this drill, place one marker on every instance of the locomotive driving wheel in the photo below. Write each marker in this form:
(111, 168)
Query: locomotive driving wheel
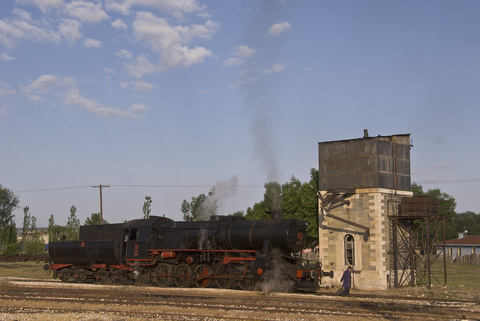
(162, 275)
(119, 277)
(101, 275)
(64, 274)
(246, 284)
(223, 279)
(79, 275)
(183, 275)
(202, 275)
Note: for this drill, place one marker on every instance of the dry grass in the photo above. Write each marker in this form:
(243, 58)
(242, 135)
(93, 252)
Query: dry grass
(33, 270)
(463, 282)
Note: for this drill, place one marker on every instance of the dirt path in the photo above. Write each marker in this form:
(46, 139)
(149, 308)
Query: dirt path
(23, 299)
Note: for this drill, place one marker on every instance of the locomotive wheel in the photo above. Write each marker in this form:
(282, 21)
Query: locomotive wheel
(101, 276)
(202, 275)
(119, 277)
(223, 279)
(80, 275)
(162, 275)
(183, 275)
(63, 274)
(246, 284)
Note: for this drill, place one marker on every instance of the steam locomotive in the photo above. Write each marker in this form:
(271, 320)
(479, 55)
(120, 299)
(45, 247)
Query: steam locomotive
(224, 252)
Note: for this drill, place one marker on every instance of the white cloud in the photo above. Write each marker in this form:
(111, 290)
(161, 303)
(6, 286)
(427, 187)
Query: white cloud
(277, 67)
(119, 24)
(171, 41)
(278, 28)
(21, 27)
(141, 66)
(123, 53)
(5, 57)
(43, 5)
(244, 51)
(3, 112)
(5, 88)
(142, 86)
(43, 83)
(178, 8)
(69, 29)
(73, 97)
(86, 11)
(92, 43)
(239, 56)
(139, 107)
(233, 61)
(65, 89)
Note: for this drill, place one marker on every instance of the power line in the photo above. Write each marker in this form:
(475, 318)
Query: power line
(427, 181)
(185, 186)
(449, 181)
(51, 189)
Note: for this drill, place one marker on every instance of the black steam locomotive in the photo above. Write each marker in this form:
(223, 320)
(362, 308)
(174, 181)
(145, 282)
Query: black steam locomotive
(224, 252)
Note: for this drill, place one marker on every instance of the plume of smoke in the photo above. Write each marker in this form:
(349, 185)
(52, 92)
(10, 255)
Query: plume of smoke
(278, 278)
(220, 192)
(203, 239)
(256, 86)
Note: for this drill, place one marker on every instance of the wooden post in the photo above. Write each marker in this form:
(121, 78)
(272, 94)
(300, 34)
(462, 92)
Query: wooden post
(101, 207)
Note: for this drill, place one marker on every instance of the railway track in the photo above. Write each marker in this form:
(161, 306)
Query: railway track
(78, 301)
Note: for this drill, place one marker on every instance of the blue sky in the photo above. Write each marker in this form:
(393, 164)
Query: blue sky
(171, 98)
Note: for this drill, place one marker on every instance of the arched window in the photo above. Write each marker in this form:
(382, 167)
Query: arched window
(349, 250)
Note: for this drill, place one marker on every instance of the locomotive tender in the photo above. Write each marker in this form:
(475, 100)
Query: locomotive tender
(224, 252)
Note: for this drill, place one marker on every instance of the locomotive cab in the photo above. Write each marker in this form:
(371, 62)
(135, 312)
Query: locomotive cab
(136, 238)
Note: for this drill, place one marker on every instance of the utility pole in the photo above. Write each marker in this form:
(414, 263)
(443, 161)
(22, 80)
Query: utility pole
(101, 207)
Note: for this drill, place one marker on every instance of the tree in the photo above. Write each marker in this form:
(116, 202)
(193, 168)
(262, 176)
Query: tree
(201, 208)
(238, 213)
(33, 244)
(54, 231)
(147, 207)
(27, 218)
(10, 245)
(73, 225)
(95, 219)
(8, 202)
(32, 241)
(294, 199)
(185, 208)
(51, 229)
(446, 207)
(33, 224)
(468, 221)
(272, 202)
(300, 201)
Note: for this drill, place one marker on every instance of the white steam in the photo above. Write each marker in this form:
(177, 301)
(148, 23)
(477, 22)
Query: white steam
(279, 277)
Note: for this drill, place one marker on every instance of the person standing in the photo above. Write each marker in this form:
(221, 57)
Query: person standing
(347, 281)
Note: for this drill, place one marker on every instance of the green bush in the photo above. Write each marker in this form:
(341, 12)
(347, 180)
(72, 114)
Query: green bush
(10, 249)
(33, 245)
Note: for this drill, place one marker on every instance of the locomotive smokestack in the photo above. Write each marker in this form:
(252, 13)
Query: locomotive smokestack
(276, 214)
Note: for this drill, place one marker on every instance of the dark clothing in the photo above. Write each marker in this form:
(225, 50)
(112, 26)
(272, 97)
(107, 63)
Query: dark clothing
(347, 282)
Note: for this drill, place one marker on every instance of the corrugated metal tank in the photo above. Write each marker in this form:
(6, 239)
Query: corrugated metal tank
(369, 162)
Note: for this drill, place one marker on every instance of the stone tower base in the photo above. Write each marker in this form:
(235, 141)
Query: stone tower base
(367, 250)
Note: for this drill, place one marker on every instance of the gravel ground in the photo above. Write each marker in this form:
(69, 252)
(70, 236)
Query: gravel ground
(25, 299)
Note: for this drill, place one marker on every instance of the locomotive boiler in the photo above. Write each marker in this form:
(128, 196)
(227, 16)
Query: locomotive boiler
(224, 252)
